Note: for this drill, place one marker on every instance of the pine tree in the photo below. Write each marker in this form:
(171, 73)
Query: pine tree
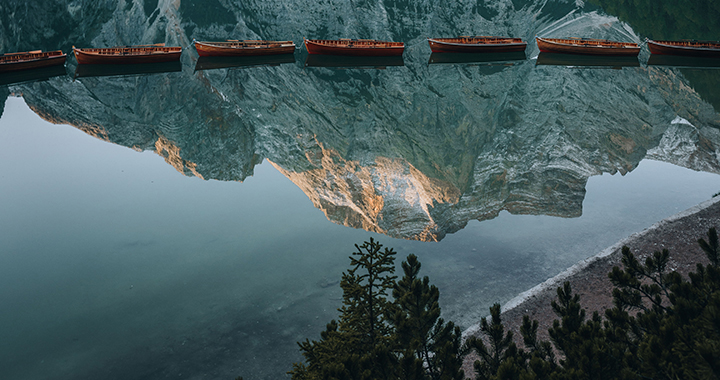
(676, 330)
(588, 353)
(502, 347)
(683, 341)
(662, 326)
(429, 347)
(364, 314)
(359, 346)
(379, 339)
(540, 358)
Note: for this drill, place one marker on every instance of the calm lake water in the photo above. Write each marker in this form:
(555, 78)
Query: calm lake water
(194, 224)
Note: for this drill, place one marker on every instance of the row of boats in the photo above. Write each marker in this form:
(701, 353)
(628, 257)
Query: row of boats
(158, 53)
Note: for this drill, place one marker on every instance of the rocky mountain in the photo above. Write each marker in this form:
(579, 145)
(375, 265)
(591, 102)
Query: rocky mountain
(414, 151)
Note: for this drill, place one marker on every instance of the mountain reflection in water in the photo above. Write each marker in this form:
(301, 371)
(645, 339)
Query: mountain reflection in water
(402, 152)
(414, 151)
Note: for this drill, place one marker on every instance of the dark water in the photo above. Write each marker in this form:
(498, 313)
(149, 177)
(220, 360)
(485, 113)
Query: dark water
(217, 240)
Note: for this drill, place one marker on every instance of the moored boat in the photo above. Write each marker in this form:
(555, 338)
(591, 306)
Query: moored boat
(234, 48)
(31, 60)
(710, 49)
(477, 44)
(128, 54)
(344, 46)
(587, 46)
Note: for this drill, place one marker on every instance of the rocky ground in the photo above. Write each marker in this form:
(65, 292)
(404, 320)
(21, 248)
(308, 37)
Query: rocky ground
(678, 234)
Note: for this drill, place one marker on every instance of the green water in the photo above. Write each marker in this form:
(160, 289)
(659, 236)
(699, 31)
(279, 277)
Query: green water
(194, 223)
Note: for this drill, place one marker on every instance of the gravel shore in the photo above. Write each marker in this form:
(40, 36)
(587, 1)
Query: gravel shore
(678, 234)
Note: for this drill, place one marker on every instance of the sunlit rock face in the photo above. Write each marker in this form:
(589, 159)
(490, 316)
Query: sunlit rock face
(389, 196)
(412, 152)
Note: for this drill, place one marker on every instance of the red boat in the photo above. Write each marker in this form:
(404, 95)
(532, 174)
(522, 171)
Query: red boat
(686, 48)
(478, 44)
(128, 54)
(31, 60)
(587, 46)
(235, 48)
(368, 48)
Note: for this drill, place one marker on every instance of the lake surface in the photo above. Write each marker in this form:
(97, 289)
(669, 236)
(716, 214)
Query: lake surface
(194, 223)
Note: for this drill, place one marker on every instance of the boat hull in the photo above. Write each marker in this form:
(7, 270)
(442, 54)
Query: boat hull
(587, 47)
(128, 55)
(26, 61)
(685, 48)
(469, 45)
(243, 48)
(363, 48)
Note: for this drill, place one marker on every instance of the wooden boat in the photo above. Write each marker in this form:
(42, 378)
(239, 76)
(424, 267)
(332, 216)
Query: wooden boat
(344, 46)
(587, 46)
(708, 49)
(576, 60)
(31, 60)
(234, 48)
(128, 54)
(210, 63)
(478, 44)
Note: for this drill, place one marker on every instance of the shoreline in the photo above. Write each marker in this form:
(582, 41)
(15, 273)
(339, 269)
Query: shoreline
(678, 233)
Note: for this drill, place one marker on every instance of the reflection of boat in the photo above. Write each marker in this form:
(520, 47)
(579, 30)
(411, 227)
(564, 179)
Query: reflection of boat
(208, 63)
(124, 70)
(687, 48)
(32, 75)
(128, 54)
(587, 46)
(440, 58)
(31, 60)
(353, 62)
(478, 44)
(678, 61)
(344, 46)
(554, 59)
(232, 48)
